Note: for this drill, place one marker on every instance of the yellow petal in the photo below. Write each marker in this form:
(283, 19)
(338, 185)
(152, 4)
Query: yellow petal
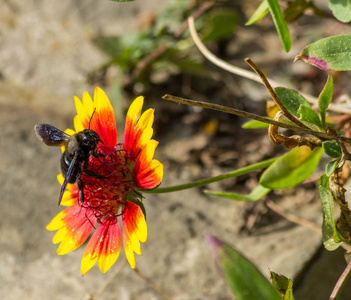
(78, 125)
(146, 120)
(88, 103)
(60, 178)
(144, 138)
(60, 235)
(87, 264)
(129, 254)
(81, 111)
(67, 199)
(101, 101)
(134, 110)
(134, 227)
(111, 248)
(57, 222)
(70, 131)
(149, 151)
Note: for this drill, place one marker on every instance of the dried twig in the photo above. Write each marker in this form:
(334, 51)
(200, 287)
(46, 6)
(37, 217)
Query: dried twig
(293, 218)
(238, 112)
(273, 94)
(153, 285)
(110, 278)
(340, 281)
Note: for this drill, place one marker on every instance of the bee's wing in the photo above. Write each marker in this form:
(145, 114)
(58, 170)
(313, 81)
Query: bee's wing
(50, 135)
(68, 175)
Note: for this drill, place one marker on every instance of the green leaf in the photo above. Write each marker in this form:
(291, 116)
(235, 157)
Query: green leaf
(256, 194)
(325, 98)
(291, 169)
(222, 24)
(259, 13)
(283, 285)
(332, 53)
(331, 167)
(291, 100)
(243, 278)
(122, 0)
(332, 149)
(341, 9)
(332, 239)
(280, 24)
(253, 124)
(309, 117)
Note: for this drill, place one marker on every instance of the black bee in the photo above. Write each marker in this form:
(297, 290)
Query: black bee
(79, 147)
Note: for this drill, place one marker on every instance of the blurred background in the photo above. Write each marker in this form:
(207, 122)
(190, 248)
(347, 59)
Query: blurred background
(52, 50)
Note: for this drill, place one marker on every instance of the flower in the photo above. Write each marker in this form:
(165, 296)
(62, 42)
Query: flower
(127, 168)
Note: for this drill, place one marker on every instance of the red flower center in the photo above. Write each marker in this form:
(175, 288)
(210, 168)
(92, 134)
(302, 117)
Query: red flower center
(106, 198)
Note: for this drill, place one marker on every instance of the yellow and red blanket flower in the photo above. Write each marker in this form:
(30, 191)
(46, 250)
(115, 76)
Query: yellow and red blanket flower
(127, 167)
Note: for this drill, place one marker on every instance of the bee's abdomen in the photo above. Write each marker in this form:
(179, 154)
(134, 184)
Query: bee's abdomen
(65, 163)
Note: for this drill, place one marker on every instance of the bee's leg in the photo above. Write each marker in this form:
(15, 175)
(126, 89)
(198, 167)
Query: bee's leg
(80, 186)
(96, 154)
(91, 173)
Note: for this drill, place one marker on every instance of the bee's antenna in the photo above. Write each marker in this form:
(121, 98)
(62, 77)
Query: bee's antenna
(91, 118)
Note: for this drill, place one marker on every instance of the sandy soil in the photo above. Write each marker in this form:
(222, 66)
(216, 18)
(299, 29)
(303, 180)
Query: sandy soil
(45, 54)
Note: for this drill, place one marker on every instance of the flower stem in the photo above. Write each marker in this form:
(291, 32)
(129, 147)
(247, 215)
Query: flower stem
(242, 171)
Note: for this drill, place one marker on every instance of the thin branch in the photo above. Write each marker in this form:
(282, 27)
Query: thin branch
(237, 112)
(110, 278)
(273, 94)
(248, 74)
(293, 218)
(340, 282)
(153, 285)
(297, 220)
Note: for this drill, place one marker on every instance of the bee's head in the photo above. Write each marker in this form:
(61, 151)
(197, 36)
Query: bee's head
(90, 138)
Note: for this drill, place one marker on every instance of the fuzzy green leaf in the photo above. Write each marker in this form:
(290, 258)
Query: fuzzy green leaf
(325, 98)
(332, 149)
(332, 239)
(341, 10)
(280, 24)
(291, 100)
(309, 117)
(332, 53)
(331, 167)
(242, 277)
(291, 169)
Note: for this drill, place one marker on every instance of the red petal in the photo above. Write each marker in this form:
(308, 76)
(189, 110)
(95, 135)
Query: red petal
(134, 231)
(104, 245)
